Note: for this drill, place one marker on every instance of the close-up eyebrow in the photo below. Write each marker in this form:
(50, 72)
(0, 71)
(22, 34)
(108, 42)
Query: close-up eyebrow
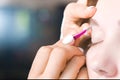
(93, 22)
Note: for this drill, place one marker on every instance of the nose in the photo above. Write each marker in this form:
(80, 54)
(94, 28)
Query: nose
(104, 67)
(107, 69)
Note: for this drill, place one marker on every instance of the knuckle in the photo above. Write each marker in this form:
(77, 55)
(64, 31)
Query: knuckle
(61, 51)
(69, 7)
(44, 48)
(79, 58)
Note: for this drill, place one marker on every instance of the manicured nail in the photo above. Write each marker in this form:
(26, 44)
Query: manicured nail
(68, 39)
(81, 49)
(84, 28)
(90, 8)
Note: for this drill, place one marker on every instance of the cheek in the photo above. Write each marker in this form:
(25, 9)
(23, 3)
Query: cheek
(97, 54)
(94, 55)
(90, 56)
(97, 34)
(102, 50)
(102, 53)
(94, 51)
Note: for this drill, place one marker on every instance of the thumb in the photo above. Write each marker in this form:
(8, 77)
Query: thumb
(84, 2)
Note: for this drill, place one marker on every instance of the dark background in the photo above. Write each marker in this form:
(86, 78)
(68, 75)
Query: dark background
(25, 26)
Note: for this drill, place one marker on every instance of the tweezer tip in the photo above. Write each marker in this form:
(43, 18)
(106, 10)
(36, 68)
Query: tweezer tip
(89, 28)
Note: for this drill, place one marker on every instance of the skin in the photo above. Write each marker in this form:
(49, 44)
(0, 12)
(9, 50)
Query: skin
(103, 57)
(61, 61)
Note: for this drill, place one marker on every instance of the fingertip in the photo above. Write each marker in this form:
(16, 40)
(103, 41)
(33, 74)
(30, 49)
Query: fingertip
(86, 12)
(91, 10)
(84, 2)
(86, 26)
(90, 7)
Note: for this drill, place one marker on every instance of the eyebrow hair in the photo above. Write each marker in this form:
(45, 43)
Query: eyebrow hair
(93, 22)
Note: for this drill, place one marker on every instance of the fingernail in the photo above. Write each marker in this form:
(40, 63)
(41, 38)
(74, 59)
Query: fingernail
(90, 8)
(84, 28)
(81, 49)
(68, 39)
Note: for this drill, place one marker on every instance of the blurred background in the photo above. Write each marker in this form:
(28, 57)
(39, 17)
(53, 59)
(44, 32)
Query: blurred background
(25, 26)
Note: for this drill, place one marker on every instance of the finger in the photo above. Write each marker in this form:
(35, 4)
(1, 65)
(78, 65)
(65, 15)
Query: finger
(73, 67)
(55, 64)
(73, 12)
(58, 59)
(68, 28)
(40, 61)
(74, 29)
(84, 2)
(83, 74)
(85, 36)
(70, 49)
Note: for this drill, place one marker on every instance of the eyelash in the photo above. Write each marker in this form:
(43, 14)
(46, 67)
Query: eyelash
(93, 44)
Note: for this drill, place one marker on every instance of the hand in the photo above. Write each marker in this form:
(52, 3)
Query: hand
(57, 61)
(73, 19)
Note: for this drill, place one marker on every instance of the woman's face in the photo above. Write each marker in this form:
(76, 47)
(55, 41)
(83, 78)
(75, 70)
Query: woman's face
(103, 58)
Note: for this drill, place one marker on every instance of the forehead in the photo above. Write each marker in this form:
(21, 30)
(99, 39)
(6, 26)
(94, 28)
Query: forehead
(108, 12)
(108, 9)
(108, 5)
